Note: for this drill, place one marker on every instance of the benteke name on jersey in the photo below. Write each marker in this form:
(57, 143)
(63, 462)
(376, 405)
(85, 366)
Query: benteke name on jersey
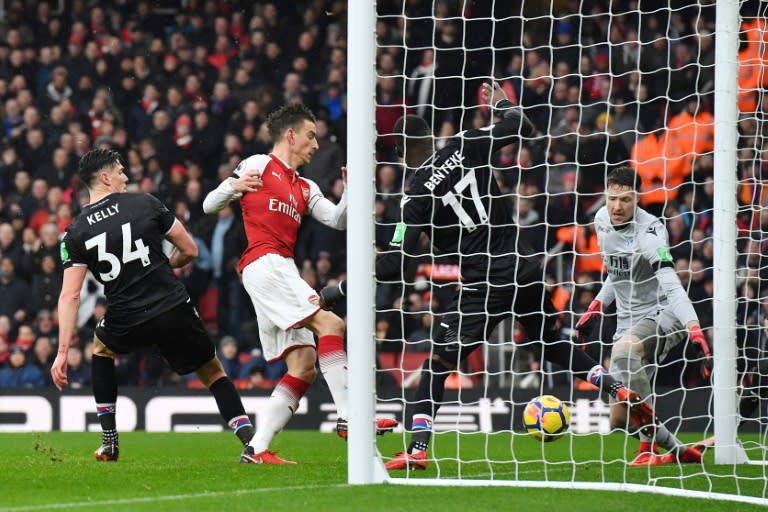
(439, 173)
(100, 215)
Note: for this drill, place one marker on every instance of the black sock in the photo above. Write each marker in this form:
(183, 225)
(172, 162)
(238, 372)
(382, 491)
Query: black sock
(418, 445)
(231, 409)
(431, 389)
(428, 399)
(104, 384)
(109, 437)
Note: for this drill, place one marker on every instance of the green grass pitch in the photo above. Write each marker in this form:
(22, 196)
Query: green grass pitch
(200, 472)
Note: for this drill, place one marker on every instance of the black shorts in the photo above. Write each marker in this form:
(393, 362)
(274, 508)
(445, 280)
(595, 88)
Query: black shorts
(476, 310)
(178, 334)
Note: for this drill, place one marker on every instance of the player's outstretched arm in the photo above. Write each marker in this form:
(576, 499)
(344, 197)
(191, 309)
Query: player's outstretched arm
(513, 124)
(231, 188)
(69, 304)
(185, 249)
(324, 211)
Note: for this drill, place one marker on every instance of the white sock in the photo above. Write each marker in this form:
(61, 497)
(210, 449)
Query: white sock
(333, 366)
(280, 408)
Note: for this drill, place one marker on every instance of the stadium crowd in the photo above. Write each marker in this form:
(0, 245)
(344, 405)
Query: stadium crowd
(182, 92)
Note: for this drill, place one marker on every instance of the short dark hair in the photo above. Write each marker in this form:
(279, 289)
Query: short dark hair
(94, 161)
(624, 176)
(406, 127)
(288, 116)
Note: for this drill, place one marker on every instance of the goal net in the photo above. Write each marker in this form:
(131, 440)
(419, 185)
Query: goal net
(606, 84)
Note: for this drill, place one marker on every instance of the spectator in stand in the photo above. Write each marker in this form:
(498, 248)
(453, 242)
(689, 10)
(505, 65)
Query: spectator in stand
(229, 357)
(58, 88)
(26, 337)
(182, 138)
(78, 371)
(98, 308)
(16, 299)
(45, 327)
(227, 241)
(10, 246)
(328, 156)
(46, 283)
(5, 346)
(60, 171)
(257, 378)
(390, 106)
(207, 141)
(43, 356)
(19, 373)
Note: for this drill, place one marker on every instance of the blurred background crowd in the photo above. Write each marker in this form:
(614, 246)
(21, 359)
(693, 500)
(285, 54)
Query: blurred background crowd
(181, 90)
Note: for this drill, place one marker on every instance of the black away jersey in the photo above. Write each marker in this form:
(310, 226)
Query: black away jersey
(455, 200)
(119, 239)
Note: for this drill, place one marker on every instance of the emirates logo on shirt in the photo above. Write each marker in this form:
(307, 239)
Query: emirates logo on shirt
(275, 205)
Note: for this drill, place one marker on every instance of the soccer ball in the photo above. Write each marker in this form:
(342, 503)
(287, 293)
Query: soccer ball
(546, 418)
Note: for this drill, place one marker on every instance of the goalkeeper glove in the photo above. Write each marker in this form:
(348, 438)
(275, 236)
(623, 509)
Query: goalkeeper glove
(588, 320)
(332, 294)
(697, 338)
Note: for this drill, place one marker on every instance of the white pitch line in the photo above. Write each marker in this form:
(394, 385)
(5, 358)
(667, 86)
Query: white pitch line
(152, 499)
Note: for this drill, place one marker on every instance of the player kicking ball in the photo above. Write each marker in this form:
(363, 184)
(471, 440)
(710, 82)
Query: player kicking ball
(118, 237)
(654, 313)
(274, 199)
(455, 201)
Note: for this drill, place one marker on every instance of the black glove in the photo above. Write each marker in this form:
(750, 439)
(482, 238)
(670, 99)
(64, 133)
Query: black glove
(332, 294)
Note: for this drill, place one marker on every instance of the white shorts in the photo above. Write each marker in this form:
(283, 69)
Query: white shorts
(282, 300)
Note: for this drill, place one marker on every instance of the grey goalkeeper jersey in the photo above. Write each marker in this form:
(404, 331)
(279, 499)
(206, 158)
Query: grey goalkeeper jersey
(632, 254)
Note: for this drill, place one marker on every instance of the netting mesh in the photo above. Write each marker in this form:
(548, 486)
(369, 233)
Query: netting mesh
(605, 84)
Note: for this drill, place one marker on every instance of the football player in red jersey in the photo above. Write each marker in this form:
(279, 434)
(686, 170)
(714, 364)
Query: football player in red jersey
(274, 199)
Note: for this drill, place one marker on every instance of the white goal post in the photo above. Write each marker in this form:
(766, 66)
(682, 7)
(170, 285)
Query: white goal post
(365, 466)
(365, 463)
(727, 451)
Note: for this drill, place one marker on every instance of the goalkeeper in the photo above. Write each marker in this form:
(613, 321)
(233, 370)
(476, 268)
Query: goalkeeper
(455, 200)
(653, 310)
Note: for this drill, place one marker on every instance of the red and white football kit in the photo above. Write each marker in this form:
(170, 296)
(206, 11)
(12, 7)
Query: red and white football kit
(272, 217)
